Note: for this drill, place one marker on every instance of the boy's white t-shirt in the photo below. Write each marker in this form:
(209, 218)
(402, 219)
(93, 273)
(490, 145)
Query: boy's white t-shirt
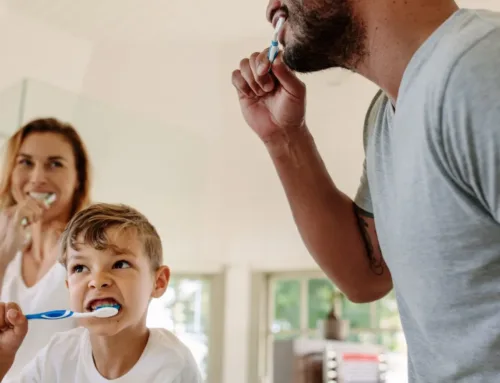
(68, 358)
(50, 293)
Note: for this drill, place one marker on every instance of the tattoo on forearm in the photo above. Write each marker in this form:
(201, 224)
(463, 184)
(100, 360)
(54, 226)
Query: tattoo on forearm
(376, 263)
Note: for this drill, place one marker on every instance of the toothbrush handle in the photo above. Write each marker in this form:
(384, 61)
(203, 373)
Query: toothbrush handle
(273, 51)
(51, 315)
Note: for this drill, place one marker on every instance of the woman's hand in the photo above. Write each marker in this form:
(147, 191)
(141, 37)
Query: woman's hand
(13, 223)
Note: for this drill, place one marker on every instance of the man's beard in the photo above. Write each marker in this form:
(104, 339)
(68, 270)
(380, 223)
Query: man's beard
(329, 36)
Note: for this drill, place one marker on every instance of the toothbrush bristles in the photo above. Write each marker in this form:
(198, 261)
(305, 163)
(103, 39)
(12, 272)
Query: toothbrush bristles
(106, 311)
(50, 199)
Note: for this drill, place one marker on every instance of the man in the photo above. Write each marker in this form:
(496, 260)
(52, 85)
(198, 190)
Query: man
(426, 216)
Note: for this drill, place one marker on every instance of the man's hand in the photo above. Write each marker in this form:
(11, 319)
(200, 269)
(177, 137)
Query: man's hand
(272, 103)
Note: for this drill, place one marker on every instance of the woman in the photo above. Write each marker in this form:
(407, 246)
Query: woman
(44, 158)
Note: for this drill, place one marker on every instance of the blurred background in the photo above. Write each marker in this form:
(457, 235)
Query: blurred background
(148, 86)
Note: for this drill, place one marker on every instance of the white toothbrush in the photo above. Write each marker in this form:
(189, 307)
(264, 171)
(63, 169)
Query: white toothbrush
(101, 312)
(274, 48)
(47, 198)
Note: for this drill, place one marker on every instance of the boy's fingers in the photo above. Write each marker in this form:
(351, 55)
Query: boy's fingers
(16, 319)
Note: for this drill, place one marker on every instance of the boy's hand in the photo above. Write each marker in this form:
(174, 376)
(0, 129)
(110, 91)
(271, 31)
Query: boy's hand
(13, 329)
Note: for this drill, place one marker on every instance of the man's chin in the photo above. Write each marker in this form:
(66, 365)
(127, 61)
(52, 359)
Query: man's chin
(301, 59)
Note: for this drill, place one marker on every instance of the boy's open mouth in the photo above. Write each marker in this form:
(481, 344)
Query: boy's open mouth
(95, 304)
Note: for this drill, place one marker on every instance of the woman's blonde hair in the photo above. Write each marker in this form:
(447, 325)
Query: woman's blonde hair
(81, 198)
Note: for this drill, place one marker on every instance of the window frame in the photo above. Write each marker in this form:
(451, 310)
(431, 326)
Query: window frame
(266, 337)
(216, 317)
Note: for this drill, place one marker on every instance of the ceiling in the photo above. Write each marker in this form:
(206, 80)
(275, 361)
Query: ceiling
(137, 21)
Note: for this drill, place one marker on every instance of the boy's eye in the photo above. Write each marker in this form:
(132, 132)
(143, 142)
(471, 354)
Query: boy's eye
(78, 268)
(121, 265)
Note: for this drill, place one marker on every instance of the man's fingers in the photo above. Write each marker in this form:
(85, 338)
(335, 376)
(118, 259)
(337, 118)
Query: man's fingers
(263, 64)
(260, 67)
(241, 85)
(287, 78)
(247, 74)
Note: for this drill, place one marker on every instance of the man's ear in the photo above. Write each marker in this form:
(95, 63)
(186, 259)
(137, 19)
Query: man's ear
(162, 277)
(66, 281)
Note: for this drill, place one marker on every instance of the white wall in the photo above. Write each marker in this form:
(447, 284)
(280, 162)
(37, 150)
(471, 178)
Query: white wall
(32, 49)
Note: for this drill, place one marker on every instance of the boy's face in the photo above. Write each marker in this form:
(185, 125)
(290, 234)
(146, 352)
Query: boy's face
(121, 274)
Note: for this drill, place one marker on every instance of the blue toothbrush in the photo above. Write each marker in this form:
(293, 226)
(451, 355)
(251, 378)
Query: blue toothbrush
(101, 312)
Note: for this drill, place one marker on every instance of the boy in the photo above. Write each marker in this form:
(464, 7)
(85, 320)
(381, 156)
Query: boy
(113, 256)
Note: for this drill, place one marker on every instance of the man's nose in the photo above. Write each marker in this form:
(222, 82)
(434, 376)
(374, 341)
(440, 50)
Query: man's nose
(271, 4)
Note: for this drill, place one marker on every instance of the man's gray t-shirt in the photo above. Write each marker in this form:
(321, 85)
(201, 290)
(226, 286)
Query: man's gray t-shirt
(432, 181)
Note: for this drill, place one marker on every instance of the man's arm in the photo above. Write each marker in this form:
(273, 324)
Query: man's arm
(340, 236)
(366, 224)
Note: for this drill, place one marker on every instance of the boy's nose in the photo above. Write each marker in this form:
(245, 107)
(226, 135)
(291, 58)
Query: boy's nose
(100, 281)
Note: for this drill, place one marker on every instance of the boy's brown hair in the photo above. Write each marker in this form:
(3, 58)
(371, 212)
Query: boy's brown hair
(92, 223)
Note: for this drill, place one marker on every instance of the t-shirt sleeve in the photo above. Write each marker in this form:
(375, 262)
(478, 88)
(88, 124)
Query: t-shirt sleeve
(191, 372)
(363, 197)
(471, 123)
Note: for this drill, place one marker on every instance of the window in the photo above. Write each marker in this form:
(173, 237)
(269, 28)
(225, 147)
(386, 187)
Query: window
(298, 301)
(184, 309)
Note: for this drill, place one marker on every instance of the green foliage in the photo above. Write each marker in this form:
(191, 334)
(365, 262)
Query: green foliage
(370, 323)
(321, 294)
(287, 305)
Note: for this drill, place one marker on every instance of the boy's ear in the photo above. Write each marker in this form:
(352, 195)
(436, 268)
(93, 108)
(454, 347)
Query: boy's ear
(162, 277)
(66, 281)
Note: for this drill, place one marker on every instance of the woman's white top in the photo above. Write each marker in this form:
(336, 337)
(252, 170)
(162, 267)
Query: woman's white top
(49, 293)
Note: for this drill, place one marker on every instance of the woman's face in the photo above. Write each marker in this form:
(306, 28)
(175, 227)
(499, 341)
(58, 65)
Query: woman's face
(45, 163)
